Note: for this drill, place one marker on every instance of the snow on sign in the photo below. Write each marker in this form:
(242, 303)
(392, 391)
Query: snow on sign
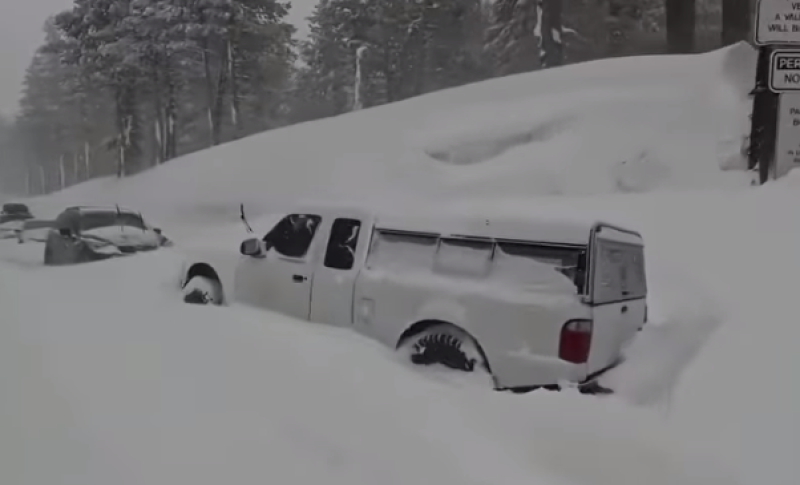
(787, 147)
(784, 72)
(778, 22)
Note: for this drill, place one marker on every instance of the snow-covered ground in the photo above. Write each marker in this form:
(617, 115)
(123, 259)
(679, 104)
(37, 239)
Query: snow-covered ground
(114, 381)
(108, 378)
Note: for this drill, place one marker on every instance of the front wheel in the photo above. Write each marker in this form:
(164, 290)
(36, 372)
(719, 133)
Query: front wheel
(202, 291)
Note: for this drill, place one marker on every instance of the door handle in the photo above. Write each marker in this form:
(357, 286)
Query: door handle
(298, 278)
(624, 309)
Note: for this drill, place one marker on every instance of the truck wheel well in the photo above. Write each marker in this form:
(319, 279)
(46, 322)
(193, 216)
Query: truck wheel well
(201, 269)
(423, 325)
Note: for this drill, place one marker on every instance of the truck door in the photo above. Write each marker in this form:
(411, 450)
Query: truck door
(282, 279)
(618, 293)
(335, 278)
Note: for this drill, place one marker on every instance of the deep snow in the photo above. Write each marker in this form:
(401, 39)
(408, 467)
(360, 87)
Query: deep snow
(648, 142)
(115, 381)
(647, 124)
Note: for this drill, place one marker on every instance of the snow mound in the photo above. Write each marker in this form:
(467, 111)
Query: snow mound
(613, 126)
(115, 381)
(719, 359)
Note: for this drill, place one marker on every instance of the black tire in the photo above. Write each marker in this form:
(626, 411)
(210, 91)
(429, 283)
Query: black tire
(200, 290)
(446, 345)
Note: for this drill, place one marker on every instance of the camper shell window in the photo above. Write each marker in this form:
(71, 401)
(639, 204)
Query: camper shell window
(465, 257)
(474, 257)
(392, 249)
(619, 272)
(570, 261)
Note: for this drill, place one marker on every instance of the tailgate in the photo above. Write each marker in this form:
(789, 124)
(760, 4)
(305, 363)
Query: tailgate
(618, 292)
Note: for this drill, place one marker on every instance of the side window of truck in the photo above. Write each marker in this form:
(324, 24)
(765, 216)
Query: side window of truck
(341, 251)
(464, 257)
(400, 250)
(569, 261)
(292, 236)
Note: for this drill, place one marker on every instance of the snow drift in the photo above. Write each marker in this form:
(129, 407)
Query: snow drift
(624, 125)
(100, 388)
(718, 359)
(614, 139)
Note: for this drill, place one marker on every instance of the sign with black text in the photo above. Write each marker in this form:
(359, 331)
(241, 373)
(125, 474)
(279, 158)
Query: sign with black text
(778, 22)
(784, 71)
(787, 146)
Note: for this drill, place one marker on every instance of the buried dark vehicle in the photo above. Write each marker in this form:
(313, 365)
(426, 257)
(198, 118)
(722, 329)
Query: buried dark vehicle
(86, 234)
(12, 216)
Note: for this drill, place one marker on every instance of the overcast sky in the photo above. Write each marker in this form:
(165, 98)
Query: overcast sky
(21, 34)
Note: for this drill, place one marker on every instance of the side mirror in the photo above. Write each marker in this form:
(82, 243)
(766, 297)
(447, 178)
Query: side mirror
(252, 247)
(157, 230)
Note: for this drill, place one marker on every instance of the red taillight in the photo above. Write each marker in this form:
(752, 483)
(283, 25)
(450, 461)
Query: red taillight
(576, 340)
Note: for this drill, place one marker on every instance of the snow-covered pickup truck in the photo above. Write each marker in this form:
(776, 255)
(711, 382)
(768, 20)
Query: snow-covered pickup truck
(533, 302)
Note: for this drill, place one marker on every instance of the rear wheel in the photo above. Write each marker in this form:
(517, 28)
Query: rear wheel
(447, 346)
(201, 290)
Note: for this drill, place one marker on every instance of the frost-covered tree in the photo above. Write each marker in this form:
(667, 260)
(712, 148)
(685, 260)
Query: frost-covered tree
(104, 45)
(49, 121)
(324, 83)
(180, 74)
(12, 169)
(550, 31)
(406, 49)
(512, 36)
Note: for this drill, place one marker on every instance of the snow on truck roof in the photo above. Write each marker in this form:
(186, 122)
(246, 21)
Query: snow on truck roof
(549, 231)
(538, 226)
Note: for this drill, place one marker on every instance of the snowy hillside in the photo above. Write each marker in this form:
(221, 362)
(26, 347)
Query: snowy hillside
(133, 390)
(625, 125)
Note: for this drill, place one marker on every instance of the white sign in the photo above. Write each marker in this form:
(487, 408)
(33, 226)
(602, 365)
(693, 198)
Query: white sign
(778, 22)
(787, 145)
(784, 71)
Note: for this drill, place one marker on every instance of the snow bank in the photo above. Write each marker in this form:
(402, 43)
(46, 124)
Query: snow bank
(617, 137)
(626, 125)
(115, 381)
(720, 359)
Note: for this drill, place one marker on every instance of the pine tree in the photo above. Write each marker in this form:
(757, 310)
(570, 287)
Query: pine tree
(512, 38)
(101, 32)
(324, 84)
(736, 20)
(550, 32)
(680, 19)
(367, 53)
(48, 111)
(624, 19)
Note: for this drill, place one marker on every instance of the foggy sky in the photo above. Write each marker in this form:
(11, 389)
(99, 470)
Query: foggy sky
(21, 34)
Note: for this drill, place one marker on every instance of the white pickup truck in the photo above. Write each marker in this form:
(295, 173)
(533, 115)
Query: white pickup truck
(533, 302)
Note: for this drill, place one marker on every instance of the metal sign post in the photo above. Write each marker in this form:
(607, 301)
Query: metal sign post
(777, 25)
